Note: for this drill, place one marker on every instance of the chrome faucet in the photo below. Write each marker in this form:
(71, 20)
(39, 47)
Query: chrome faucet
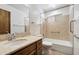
(11, 36)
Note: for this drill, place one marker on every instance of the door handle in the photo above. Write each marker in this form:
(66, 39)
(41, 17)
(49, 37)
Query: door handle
(76, 36)
(71, 25)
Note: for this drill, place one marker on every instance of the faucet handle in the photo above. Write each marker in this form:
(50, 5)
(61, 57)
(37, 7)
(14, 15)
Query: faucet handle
(13, 35)
(9, 36)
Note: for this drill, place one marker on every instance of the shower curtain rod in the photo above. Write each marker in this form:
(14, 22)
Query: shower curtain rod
(58, 8)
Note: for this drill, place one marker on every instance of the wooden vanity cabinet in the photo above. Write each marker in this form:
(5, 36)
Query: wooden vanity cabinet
(26, 50)
(32, 49)
(39, 47)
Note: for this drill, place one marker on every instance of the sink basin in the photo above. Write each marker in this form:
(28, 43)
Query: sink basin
(15, 43)
(20, 40)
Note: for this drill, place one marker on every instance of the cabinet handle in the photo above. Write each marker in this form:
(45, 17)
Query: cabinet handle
(71, 25)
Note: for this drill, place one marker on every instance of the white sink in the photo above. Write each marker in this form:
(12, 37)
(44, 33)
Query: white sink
(15, 43)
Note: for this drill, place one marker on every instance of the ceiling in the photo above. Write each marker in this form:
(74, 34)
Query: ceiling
(21, 7)
(44, 7)
(51, 7)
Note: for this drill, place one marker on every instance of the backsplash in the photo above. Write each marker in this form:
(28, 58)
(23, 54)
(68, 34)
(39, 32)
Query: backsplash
(4, 36)
(22, 34)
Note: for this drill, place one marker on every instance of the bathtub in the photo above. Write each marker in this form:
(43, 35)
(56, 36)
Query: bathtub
(59, 45)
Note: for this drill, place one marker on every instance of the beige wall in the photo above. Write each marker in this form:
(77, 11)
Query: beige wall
(56, 27)
(61, 26)
(3, 37)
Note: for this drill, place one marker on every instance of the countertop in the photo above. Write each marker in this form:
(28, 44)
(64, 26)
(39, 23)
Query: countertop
(8, 47)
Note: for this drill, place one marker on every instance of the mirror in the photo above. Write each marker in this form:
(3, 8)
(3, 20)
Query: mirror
(13, 20)
(4, 21)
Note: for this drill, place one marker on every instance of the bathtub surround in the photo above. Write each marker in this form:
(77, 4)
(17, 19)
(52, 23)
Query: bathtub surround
(61, 46)
(57, 24)
(58, 29)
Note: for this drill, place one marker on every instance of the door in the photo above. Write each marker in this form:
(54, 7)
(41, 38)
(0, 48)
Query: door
(76, 29)
(76, 37)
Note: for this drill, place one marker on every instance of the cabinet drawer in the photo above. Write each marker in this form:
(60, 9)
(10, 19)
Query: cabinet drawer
(27, 50)
(39, 44)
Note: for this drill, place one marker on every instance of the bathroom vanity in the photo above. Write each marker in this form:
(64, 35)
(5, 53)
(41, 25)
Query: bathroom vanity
(29, 45)
(33, 49)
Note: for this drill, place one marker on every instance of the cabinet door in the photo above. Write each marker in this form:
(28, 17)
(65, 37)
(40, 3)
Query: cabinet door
(39, 51)
(39, 47)
(33, 52)
(28, 50)
(4, 22)
(39, 44)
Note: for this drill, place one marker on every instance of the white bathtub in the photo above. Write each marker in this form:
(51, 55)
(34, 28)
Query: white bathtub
(59, 45)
